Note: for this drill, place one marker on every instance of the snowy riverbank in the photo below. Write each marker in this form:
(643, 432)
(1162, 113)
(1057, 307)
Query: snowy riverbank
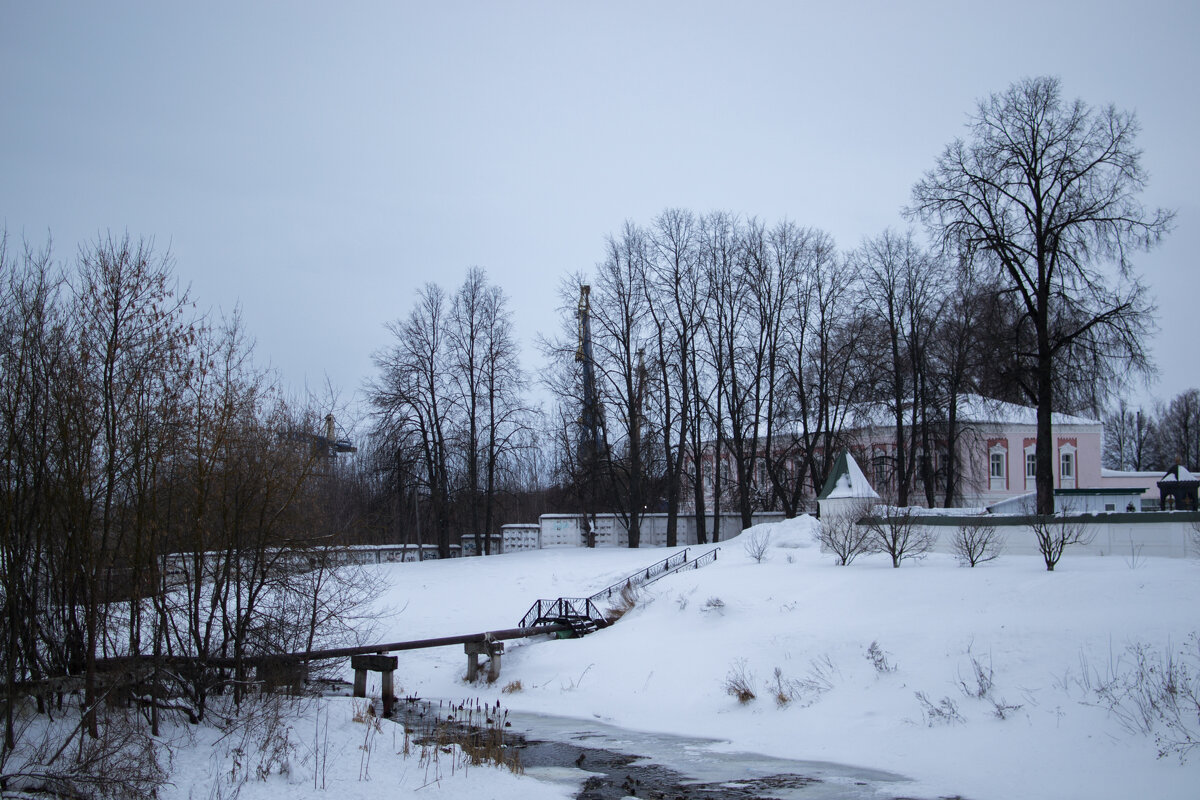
(798, 625)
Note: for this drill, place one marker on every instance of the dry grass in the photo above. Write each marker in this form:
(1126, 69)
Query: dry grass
(739, 682)
(626, 601)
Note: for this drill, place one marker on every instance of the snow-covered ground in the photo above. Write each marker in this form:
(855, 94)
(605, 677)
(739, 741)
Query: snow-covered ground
(797, 623)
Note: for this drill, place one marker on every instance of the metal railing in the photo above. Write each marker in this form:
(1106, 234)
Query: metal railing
(697, 563)
(643, 577)
(561, 609)
(579, 608)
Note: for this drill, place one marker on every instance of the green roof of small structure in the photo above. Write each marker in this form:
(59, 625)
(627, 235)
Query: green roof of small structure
(846, 479)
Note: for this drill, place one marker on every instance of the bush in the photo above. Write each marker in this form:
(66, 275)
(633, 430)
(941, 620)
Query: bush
(714, 604)
(944, 712)
(841, 535)
(981, 679)
(900, 534)
(977, 544)
(1155, 694)
(878, 659)
(1055, 533)
(784, 691)
(756, 545)
(626, 601)
(739, 682)
(62, 760)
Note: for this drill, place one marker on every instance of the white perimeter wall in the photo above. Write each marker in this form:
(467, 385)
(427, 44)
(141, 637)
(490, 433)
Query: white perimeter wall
(1152, 534)
(563, 530)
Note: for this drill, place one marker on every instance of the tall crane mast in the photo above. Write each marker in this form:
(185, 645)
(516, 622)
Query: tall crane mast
(591, 441)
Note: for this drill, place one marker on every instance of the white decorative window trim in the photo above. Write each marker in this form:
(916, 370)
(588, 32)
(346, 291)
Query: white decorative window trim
(1068, 466)
(1030, 477)
(997, 483)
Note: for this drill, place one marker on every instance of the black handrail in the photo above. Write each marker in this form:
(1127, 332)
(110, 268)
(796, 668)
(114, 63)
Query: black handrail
(568, 608)
(561, 609)
(647, 575)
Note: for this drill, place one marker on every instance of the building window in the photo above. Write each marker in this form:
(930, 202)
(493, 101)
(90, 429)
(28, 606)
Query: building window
(881, 471)
(998, 465)
(998, 468)
(1030, 467)
(1068, 466)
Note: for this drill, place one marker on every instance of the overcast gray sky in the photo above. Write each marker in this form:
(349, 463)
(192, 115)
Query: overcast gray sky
(318, 162)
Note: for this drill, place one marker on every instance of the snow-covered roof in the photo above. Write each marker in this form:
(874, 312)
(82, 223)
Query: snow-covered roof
(1129, 473)
(846, 480)
(973, 409)
(1177, 473)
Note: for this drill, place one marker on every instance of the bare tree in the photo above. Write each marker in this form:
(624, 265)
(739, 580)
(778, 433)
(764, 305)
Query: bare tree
(129, 331)
(1177, 438)
(465, 342)
(30, 343)
(675, 300)
(899, 533)
(507, 418)
(620, 334)
(1128, 437)
(897, 282)
(977, 543)
(957, 354)
(823, 364)
(1046, 192)
(1056, 532)
(719, 246)
(414, 401)
(842, 535)
(757, 543)
(486, 375)
(797, 258)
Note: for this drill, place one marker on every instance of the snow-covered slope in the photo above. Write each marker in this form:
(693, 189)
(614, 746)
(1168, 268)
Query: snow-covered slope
(799, 625)
(665, 665)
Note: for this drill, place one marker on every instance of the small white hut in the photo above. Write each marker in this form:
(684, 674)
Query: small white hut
(846, 490)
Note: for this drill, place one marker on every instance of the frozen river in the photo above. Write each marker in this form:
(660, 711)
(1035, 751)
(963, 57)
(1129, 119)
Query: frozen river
(609, 762)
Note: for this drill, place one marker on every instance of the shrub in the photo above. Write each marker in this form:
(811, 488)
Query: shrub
(715, 604)
(739, 682)
(981, 679)
(944, 712)
(976, 544)
(784, 691)
(878, 659)
(626, 601)
(1055, 533)
(841, 535)
(1156, 694)
(756, 545)
(900, 534)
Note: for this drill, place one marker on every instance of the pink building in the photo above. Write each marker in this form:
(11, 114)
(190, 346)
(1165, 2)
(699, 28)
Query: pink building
(997, 454)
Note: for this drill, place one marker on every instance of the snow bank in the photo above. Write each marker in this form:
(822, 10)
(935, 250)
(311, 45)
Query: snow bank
(664, 666)
(329, 748)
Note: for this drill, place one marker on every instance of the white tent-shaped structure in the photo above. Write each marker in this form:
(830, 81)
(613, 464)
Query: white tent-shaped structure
(846, 490)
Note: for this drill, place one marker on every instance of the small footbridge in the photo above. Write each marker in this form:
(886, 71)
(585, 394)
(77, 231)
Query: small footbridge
(583, 615)
(566, 617)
